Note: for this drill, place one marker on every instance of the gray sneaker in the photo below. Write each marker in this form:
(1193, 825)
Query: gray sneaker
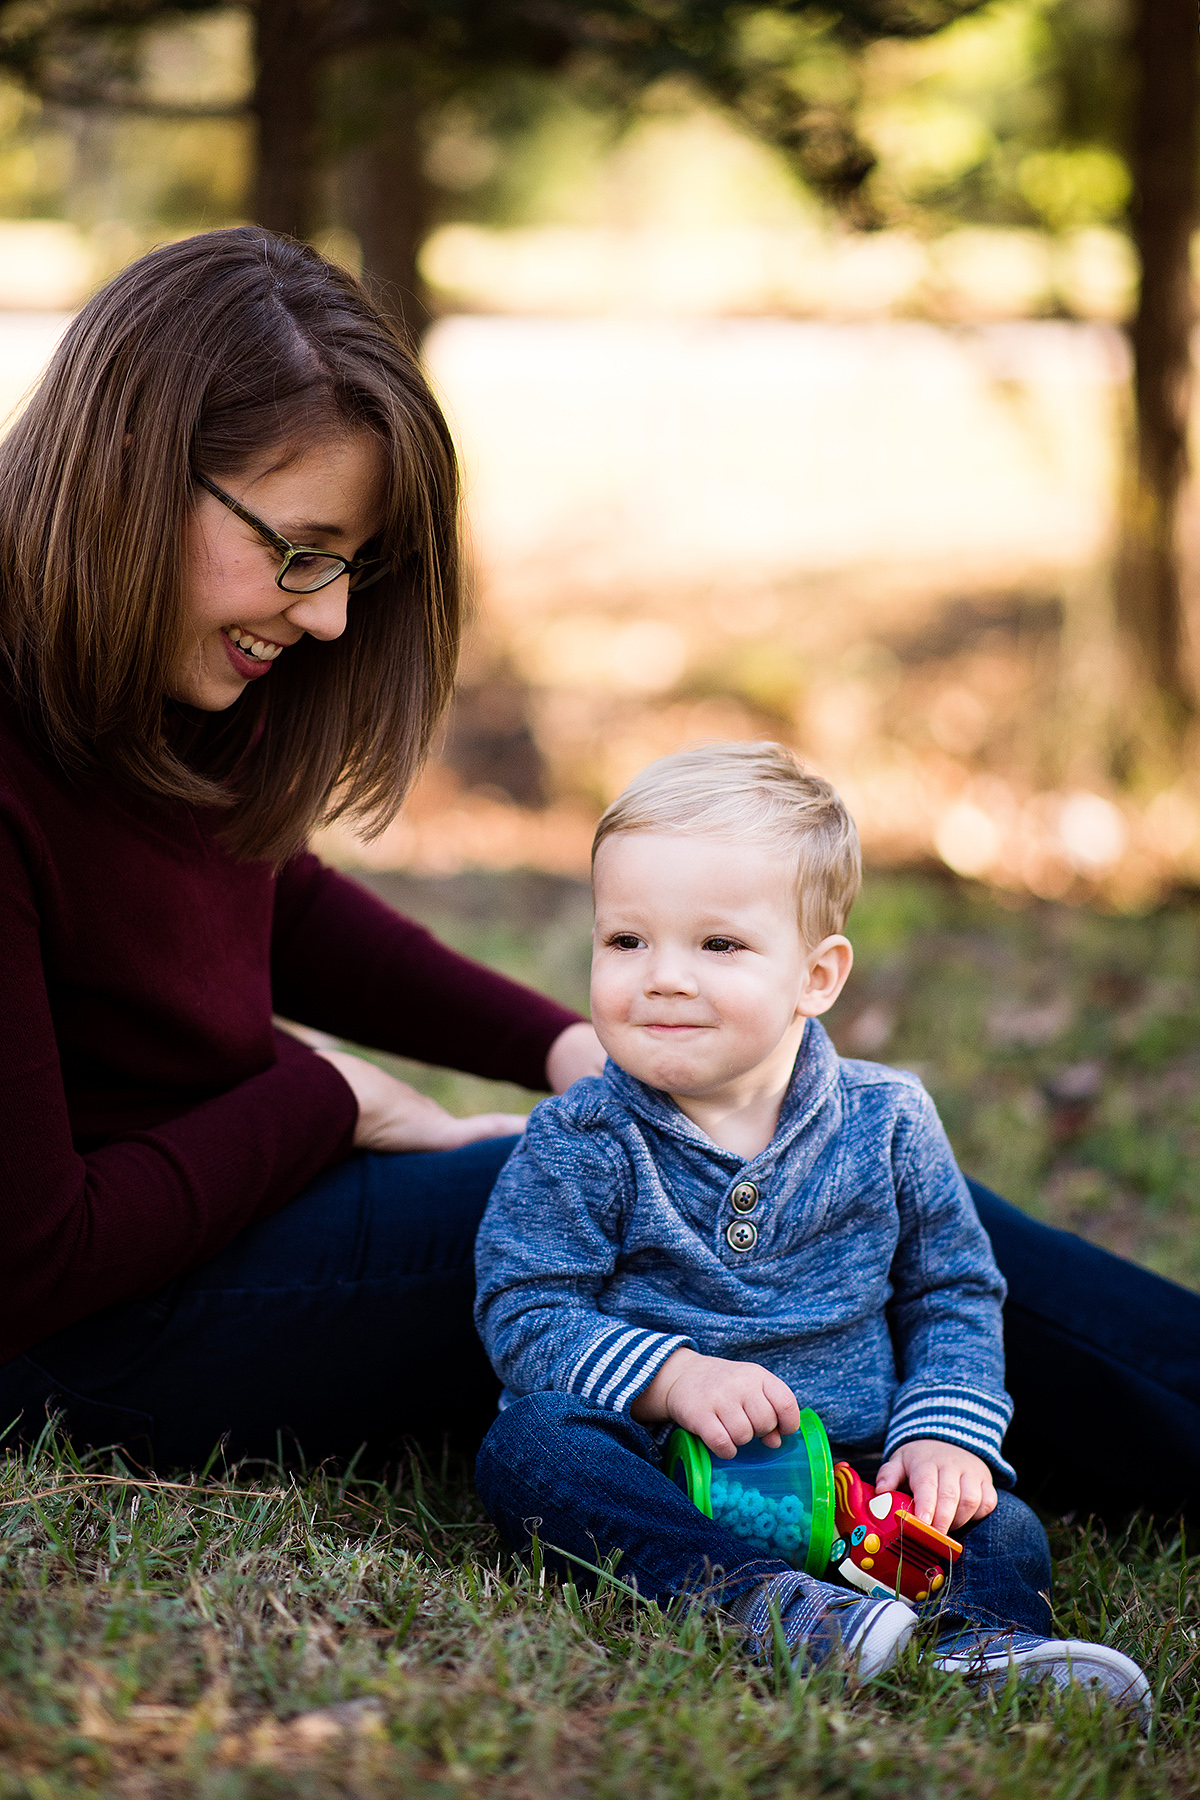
(871, 1635)
(988, 1658)
(823, 1624)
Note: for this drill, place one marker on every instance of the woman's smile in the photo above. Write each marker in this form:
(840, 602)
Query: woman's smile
(263, 649)
(251, 656)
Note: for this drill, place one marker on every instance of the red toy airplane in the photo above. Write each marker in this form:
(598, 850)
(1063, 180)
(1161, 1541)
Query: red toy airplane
(883, 1547)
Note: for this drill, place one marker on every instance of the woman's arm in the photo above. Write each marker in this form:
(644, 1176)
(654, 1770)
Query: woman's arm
(344, 962)
(79, 1232)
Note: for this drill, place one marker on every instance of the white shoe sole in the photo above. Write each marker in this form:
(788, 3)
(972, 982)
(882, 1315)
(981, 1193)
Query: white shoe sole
(1063, 1661)
(879, 1639)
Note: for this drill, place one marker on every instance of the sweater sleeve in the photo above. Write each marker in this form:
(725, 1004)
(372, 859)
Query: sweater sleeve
(344, 962)
(945, 1308)
(546, 1247)
(79, 1232)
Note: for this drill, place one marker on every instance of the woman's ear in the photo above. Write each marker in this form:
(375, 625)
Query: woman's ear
(828, 966)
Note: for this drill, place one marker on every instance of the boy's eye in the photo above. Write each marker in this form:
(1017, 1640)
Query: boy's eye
(722, 945)
(625, 940)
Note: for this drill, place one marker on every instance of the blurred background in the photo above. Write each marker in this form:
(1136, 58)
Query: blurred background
(820, 372)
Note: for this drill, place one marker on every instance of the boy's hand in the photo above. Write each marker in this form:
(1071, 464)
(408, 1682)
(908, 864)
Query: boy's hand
(725, 1403)
(949, 1486)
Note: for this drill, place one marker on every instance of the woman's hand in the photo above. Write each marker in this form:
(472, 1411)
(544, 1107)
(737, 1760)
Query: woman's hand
(575, 1052)
(393, 1116)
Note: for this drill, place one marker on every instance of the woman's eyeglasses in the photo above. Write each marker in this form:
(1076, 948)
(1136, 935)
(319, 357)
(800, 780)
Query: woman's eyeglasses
(302, 571)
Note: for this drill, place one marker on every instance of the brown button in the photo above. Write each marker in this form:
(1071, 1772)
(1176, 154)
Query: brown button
(741, 1234)
(744, 1197)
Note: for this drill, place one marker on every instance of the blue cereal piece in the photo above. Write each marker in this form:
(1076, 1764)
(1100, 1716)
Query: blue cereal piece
(774, 1523)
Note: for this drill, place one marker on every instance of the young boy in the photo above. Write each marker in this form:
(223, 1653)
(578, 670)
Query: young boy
(733, 1221)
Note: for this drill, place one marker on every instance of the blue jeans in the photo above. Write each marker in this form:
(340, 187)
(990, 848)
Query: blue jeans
(1103, 1364)
(345, 1319)
(342, 1320)
(590, 1482)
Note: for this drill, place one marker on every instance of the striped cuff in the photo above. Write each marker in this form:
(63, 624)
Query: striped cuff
(615, 1368)
(958, 1415)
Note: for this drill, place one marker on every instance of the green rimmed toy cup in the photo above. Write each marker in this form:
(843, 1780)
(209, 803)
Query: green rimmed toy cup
(778, 1501)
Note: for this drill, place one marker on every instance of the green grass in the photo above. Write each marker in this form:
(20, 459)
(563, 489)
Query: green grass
(190, 1639)
(159, 1640)
(999, 1009)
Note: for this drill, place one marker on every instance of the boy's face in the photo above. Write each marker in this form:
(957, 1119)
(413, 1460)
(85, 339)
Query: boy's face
(699, 974)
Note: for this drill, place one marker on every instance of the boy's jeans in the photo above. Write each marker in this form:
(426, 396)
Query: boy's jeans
(589, 1482)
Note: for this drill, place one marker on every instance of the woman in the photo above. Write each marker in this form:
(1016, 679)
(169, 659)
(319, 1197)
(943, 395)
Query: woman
(229, 607)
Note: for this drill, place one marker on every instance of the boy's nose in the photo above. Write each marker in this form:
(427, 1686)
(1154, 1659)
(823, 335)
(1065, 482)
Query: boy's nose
(669, 975)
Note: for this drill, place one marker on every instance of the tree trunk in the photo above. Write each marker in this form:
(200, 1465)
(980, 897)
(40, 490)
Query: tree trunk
(1164, 155)
(386, 199)
(287, 91)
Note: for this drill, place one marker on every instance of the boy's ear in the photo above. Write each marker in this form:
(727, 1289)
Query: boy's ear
(828, 966)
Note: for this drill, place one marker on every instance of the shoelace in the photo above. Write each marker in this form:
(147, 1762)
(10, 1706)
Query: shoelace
(810, 1614)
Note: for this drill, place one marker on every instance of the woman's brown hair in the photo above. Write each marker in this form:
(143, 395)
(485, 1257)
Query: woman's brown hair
(197, 359)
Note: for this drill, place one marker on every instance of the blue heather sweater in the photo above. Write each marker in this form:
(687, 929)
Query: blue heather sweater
(869, 1286)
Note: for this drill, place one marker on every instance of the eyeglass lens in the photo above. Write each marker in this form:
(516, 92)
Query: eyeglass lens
(306, 573)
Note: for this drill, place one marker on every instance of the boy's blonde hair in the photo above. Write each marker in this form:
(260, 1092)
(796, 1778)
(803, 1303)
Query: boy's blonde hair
(758, 794)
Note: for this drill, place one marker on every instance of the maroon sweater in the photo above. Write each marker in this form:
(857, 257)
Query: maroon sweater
(148, 1109)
